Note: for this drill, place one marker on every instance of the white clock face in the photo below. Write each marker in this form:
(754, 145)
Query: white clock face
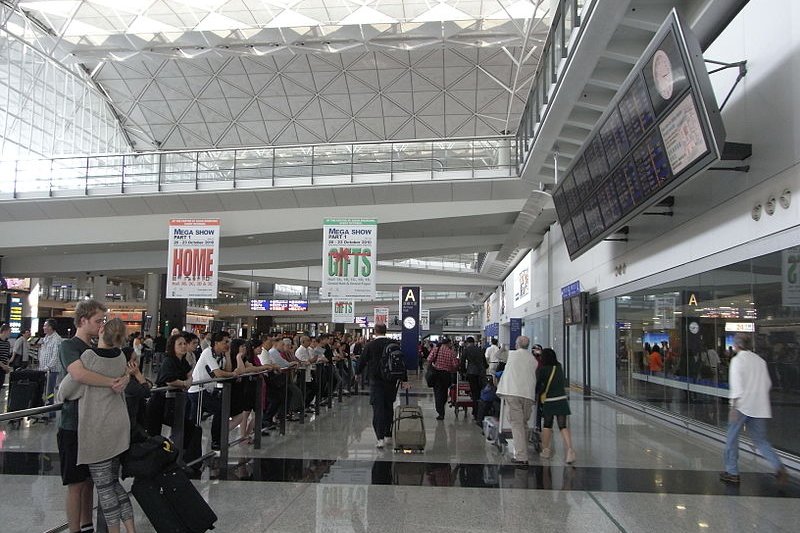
(662, 74)
(694, 327)
(409, 322)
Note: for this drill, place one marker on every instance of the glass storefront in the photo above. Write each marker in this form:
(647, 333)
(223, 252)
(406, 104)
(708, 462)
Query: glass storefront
(674, 341)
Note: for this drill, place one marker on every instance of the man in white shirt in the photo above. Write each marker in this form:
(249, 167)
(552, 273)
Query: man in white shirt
(517, 387)
(492, 355)
(48, 359)
(213, 363)
(749, 399)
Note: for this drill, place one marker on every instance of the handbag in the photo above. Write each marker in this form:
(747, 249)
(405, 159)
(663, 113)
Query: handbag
(430, 372)
(543, 395)
(148, 458)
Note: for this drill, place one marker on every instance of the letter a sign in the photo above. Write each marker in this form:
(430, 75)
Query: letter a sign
(193, 258)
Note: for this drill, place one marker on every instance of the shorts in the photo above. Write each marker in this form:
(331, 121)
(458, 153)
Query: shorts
(71, 472)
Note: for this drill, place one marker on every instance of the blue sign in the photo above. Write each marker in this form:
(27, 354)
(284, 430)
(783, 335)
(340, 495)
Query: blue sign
(409, 325)
(516, 331)
(573, 289)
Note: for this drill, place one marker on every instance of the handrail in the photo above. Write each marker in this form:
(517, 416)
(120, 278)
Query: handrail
(33, 411)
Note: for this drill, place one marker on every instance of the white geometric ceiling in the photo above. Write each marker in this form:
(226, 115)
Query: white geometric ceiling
(232, 73)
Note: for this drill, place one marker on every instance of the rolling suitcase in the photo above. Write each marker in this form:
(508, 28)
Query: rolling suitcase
(409, 428)
(26, 390)
(172, 503)
(460, 397)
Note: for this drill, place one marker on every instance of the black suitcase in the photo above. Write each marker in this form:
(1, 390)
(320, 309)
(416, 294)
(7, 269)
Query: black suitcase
(26, 389)
(172, 503)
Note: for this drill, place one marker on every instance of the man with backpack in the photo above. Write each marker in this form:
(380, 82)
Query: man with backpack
(385, 366)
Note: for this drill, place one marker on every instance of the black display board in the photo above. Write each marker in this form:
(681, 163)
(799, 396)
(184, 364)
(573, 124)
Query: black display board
(662, 128)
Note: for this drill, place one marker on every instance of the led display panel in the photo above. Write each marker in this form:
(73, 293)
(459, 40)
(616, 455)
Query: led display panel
(279, 305)
(662, 128)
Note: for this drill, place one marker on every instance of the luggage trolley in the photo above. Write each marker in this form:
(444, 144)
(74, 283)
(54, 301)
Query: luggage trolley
(459, 396)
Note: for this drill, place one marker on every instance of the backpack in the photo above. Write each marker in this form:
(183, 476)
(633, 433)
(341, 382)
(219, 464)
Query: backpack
(393, 366)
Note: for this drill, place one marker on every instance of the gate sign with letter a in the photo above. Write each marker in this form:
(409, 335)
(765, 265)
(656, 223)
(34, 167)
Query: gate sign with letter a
(193, 260)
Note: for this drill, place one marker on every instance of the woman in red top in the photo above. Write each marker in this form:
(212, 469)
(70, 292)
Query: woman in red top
(445, 363)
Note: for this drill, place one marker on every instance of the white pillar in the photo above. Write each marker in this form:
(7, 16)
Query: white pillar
(30, 306)
(99, 287)
(153, 298)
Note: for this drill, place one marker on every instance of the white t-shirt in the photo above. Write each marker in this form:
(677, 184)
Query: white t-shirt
(22, 348)
(750, 384)
(492, 354)
(200, 373)
(304, 354)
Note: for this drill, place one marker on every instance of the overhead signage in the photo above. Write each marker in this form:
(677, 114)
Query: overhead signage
(343, 311)
(15, 314)
(740, 327)
(664, 312)
(18, 284)
(381, 315)
(516, 330)
(570, 290)
(193, 258)
(410, 306)
(348, 256)
(279, 305)
(662, 128)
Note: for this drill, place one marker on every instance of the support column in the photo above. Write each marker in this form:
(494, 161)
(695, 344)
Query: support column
(99, 287)
(152, 289)
(30, 306)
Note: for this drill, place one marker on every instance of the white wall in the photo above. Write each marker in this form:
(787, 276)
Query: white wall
(712, 224)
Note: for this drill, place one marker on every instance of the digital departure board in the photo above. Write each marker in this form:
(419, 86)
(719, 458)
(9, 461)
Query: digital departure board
(662, 128)
(279, 305)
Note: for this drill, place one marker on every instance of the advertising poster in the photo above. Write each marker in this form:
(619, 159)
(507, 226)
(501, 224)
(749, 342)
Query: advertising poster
(343, 311)
(410, 306)
(683, 135)
(521, 279)
(664, 312)
(516, 331)
(790, 277)
(193, 258)
(381, 315)
(348, 258)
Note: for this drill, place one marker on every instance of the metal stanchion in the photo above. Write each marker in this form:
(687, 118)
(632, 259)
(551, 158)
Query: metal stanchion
(330, 387)
(303, 406)
(178, 422)
(318, 371)
(259, 413)
(335, 369)
(284, 407)
(224, 431)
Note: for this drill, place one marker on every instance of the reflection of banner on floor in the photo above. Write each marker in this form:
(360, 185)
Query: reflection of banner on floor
(341, 508)
(721, 390)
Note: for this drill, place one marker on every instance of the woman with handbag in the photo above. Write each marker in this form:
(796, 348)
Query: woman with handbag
(555, 404)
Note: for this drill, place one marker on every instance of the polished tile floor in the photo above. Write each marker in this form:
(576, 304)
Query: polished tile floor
(633, 473)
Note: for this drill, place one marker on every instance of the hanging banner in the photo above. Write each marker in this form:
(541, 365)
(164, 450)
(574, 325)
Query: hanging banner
(348, 257)
(410, 302)
(193, 258)
(343, 311)
(516, 331)
(425, 319)
(381, 315)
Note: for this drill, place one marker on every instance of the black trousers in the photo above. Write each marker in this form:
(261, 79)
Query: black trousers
(382, 396)
(475, 386)
(212, 404)
(441, 383)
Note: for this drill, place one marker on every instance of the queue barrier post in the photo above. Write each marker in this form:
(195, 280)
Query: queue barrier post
(259, 412)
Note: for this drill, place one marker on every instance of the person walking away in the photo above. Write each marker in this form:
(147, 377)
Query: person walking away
(382, 393)
(476, 366)
(555, 404)
(517, 388)
(20, 354)
(445, 364)
(750, 407)
(103, 423)
(48, 360)
(89, 318)
(492, 355)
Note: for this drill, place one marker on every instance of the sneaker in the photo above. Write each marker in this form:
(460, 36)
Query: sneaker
(570, 456)
(729, 478)
(782, 477)
(379, 444)
(518, 462)
(215, 446)
(387, 440)
(546, 453)
(440, 417)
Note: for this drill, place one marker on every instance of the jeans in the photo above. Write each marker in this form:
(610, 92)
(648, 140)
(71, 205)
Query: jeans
(52, 380)
(757, 428)
(382, 396)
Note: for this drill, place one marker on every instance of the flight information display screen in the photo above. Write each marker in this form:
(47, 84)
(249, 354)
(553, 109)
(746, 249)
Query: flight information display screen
(279, 305)
(662, 128)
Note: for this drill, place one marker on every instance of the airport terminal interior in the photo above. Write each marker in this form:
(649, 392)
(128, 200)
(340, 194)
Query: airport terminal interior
(616, 180)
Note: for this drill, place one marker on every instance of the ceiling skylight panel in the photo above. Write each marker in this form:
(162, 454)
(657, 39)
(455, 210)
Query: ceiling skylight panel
(144, 25)
(443, 12)
(522, 9)
(291, 19)
(52, 7)
(367, 15)
(217, 22)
